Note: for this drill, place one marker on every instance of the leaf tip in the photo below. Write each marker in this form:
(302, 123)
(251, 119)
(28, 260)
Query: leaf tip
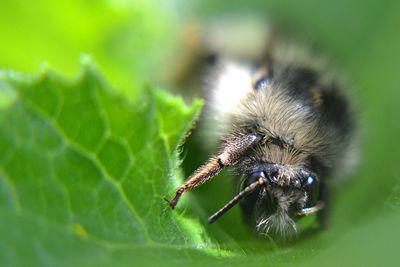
(88, 67)
(86, 60)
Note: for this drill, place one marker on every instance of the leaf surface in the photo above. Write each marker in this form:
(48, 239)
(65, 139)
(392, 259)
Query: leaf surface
(83, 173)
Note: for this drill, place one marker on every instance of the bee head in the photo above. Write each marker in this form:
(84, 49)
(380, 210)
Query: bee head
(287, 194)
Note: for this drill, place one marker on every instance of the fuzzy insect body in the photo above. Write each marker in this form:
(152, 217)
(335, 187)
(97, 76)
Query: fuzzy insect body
(285, 127)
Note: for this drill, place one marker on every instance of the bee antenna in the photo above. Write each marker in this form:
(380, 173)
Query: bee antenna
(242, 194)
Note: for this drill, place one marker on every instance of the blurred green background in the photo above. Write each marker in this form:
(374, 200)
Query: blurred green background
(137, 42)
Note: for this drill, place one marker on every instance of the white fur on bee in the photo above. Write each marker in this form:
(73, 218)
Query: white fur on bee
(278, 222)
(231, 87)
(227, 84)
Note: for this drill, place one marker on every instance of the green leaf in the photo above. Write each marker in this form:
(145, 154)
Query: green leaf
(83, 173)
(58, 169)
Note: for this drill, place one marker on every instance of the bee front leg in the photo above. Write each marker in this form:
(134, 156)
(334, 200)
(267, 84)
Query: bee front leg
(231, 152)
(311, 210)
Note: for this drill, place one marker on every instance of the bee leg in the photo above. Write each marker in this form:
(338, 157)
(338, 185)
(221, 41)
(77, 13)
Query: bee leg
(231, 152)
(200, 176)
(308, 211)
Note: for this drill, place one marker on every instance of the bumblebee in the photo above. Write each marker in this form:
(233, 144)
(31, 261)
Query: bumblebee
(286, 126)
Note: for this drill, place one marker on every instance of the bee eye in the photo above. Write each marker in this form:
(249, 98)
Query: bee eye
(261, 84)
(312, 188)
(311, 181)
